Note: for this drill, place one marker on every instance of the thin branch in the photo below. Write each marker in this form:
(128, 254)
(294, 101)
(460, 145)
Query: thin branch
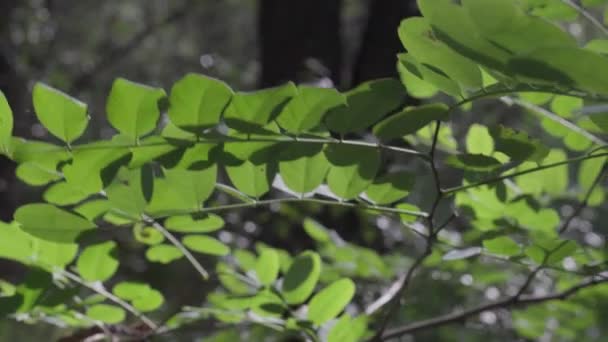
(199, 268)
(294, 200)
(506, 303)
(587, 15)
(228, 139)
(582, 205)
(395, 301)
(119, 52)
(102, 291)
(456, 189)
(555, 118)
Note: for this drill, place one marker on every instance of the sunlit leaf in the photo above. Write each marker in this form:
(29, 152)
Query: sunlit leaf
(133, 108)
(65, 117)
(330, 301)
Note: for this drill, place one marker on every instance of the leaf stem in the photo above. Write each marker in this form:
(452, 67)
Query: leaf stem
(456, 189)
(107, 294)
(199, 268)
(295, 200)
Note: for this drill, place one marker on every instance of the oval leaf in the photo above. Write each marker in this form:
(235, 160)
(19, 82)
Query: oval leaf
(267, 266)
(197, 102)
(64, 116)
(98, 262)
(410, 120)
(133, 108)
(330, 301)
(205, 245)
(301, 278)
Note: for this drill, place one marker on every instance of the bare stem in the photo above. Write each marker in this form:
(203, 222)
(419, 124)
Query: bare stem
(199, 268)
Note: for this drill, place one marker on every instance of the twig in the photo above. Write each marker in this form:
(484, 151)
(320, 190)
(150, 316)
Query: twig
(456, 189)
(503, 304)
(587, 15)
(582, 205)
(199, 268)
(362, 206)
(102, 291)
(555, 118)
(394, 302)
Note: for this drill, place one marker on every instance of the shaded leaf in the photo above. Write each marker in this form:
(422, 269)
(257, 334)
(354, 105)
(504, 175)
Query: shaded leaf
(301, 277)
(51, 223)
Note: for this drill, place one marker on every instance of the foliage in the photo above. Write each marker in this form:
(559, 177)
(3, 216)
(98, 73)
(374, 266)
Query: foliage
(178, 161)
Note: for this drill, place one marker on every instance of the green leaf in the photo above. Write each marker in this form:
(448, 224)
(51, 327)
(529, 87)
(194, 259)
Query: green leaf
(416, 87)
(307, 109)
(106, 313)
(6, 125)
(147, 235)
(38, 173)
(94, 166)
(150, 302)
(251, 179)
(502, 246)
(64, 116)
(131, 290)
(353, 169)
(330, 301)
(473, 162)
(98, 262)
(197, 102)
(588, 172)
(182, 189)
(194, 223)
(442, 65)
(479, 140)
(410, 120)
(366, 104)
(133, 108)
(93, 209)
(205, 245)
(301, 277)
(347, 329)
(316, 231)
(24, 248)
(303, 167)
(248, 112)
(518, 145)
(267, 266)
(51, 223)
(391, 187)
(63, 193)
(564, 67)
(163, 254)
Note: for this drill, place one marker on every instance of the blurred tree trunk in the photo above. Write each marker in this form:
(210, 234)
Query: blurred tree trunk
(380, 44)
(13, 88)
(299, 41)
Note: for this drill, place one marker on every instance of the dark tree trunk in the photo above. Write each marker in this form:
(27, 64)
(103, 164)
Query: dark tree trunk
(13, 88)
(299, 40)
(380, 44)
